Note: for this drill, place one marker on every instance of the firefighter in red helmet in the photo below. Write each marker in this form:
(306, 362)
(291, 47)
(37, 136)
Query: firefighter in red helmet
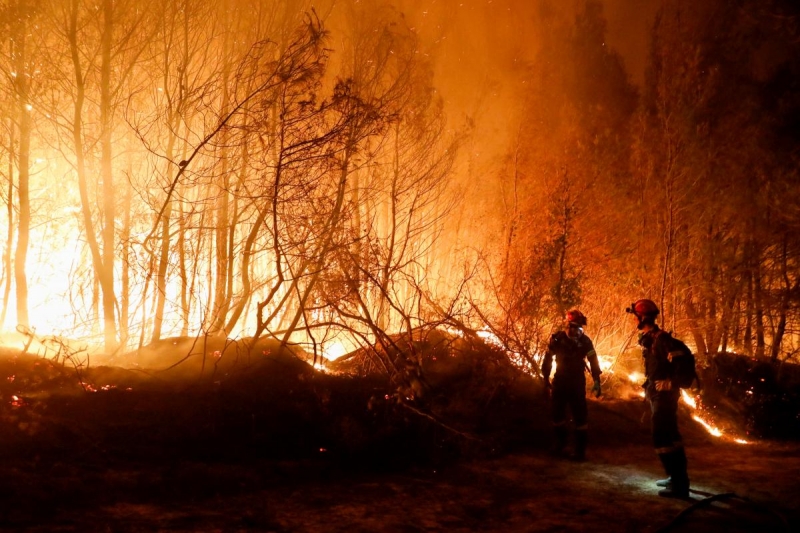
(571, 348)
(663, 398)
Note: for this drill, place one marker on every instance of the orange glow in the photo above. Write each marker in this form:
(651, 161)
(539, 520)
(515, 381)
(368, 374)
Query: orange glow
(692, 402)
(334, 350)
(688, 399)
(711, 429)
(636, 378)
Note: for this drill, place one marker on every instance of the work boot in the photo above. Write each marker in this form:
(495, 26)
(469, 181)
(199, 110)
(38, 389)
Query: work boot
(674, 492)
(678, 486)
(581, 437)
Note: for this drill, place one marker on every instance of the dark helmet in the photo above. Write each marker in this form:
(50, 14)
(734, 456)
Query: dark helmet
(645, 310)
(576, 317)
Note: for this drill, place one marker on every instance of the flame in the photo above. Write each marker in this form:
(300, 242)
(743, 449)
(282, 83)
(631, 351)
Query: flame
(333, 350)
(713, 430)
(489, 336)
(688, 399)
(636, 377)
(606, 362)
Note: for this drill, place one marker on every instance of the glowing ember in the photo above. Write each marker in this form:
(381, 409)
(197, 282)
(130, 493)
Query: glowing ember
(691, 401)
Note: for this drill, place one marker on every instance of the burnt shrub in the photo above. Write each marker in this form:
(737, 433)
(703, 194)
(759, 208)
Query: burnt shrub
(762, 397)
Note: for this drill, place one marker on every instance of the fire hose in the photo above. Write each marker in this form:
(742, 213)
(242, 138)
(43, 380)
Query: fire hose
(719, 497)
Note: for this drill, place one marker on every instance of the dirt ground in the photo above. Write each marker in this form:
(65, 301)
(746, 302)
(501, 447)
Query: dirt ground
(519, 490)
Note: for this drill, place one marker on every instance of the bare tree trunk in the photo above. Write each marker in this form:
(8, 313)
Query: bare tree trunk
(669, 242)
(563, 243)
(183, 273)
(23, 184)
(694, 327)
(161, 274)
(109, 195)
(125, 239)
(780, 331)
(11, 225)
(221, 302)
(758, 300)
(80, 157)
(748, 328)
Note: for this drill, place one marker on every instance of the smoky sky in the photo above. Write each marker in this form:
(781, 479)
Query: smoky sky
(478, 49)
(472, 31)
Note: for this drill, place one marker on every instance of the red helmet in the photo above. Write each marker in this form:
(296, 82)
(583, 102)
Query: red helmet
(645, 310)
(576, 317)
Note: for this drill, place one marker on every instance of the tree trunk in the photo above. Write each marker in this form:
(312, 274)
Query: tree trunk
(786, 293)
(125, 289)
(748, 328)
(161, 273)
(23, 169)
(758, 300)
(7, 263)
(109, 197)
(80, 157)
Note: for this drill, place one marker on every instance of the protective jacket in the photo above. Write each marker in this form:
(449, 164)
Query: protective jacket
(655, 352)
(571, 355)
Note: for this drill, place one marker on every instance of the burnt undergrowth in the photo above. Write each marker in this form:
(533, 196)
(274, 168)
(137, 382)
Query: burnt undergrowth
(196, 423)
(229, 404)
(760, 397)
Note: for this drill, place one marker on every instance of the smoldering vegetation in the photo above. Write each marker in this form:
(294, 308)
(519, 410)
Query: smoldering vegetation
(271, 404)
(460, 398)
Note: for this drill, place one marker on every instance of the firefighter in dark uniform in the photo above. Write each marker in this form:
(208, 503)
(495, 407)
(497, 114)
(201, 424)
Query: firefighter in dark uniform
(571, 349)
(663, 397)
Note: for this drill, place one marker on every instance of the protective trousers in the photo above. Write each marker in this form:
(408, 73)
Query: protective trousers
(667, 440)
(570, 394)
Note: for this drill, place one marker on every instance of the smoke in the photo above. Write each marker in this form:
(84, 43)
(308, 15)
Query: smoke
(480, 49)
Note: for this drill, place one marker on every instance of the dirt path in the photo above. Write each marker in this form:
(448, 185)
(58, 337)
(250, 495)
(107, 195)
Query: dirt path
(526, 491)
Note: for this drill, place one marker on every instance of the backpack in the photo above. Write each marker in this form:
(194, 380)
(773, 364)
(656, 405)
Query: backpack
(684, 372)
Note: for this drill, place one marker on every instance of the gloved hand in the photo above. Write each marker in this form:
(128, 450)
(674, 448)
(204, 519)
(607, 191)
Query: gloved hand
(596, 388)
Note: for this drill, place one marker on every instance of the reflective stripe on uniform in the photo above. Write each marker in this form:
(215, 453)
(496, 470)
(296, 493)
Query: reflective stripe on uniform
(670, 355)
(663, 384)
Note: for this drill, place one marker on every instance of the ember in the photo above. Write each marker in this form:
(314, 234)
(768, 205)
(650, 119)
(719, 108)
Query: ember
(694, 404)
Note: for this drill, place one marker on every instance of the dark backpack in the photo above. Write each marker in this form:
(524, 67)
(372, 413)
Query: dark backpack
(684, 372)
